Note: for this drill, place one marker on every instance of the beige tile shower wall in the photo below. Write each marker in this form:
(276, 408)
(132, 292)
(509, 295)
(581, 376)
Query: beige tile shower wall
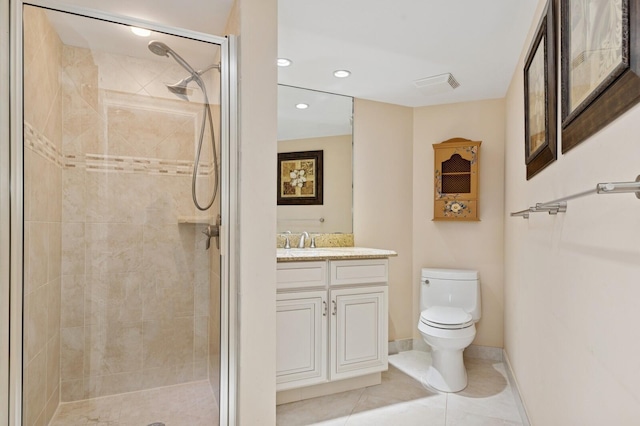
(42, 215)
(135, 283)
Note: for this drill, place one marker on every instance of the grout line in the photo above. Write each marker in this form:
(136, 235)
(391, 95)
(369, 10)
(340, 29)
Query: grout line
(363, 390)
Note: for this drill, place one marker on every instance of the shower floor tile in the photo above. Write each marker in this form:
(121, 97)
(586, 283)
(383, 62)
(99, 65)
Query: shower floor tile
(186, 404)
(403, 399)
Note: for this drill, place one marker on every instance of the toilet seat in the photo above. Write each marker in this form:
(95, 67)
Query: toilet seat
(446, 318)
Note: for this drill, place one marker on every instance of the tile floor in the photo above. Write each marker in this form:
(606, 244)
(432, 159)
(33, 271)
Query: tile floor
(402, 399)
(190, 404)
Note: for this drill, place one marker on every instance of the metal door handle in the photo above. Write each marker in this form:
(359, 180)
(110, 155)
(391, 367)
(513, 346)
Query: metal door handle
(324, 308)
(335, 307)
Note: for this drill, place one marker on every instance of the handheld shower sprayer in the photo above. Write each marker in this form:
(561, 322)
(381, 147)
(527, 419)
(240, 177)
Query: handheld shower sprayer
(180, 89)
(161, 49)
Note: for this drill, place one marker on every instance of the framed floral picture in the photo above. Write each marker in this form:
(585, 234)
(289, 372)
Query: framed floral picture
(300, 178)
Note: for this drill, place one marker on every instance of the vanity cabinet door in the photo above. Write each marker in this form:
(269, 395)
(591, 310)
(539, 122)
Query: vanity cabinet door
(301, 333)
(358, 331)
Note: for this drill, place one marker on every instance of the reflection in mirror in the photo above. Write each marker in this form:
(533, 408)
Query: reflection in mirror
(326, 124)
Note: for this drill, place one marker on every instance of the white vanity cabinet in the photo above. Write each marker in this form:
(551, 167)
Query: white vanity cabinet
(358, 341)
(301, 345)
(331, 321)
(301, 324)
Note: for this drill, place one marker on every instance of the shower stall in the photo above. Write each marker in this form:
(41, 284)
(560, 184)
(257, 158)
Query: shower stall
(122, 191)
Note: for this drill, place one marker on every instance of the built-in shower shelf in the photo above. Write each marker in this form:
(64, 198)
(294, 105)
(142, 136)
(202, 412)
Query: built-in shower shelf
(195, 220)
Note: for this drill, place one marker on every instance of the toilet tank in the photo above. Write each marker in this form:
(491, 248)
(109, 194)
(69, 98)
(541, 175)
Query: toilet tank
(451, 287)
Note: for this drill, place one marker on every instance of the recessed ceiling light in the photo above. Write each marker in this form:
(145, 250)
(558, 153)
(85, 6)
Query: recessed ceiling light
(140, 32)
(284, 62)
(342, 73)
(302, 106)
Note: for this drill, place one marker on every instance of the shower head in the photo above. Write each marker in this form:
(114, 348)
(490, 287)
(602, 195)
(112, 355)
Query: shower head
(180, 88)
(161, 49)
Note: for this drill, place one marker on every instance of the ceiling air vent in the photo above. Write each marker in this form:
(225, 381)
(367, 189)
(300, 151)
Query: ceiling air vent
(437, 84)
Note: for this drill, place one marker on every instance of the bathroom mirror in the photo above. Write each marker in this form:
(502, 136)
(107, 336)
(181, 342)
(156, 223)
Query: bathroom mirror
(325, 124)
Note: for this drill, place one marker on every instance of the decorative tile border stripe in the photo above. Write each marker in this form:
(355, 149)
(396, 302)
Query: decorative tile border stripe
(110, 163)
(41, 145)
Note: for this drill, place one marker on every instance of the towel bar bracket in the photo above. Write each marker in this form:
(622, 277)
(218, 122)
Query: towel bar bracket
(560, 205)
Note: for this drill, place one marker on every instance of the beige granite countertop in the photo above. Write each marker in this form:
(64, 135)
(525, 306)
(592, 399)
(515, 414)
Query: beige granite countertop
(332, 253)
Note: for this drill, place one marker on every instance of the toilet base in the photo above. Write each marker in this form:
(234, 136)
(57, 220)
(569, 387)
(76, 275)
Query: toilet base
(447, 372)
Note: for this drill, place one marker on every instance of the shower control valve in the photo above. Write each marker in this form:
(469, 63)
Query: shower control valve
(213, 231)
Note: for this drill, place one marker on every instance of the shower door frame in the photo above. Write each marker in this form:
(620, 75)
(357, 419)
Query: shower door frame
(5, 138)
(11, 200)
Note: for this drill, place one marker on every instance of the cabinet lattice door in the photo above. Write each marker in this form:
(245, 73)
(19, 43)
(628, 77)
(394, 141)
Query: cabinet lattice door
(456, 180)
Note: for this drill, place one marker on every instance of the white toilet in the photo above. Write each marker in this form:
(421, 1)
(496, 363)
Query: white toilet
(450, 307)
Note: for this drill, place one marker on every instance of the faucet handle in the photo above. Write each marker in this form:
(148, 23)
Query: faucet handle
(313, 242)
(287, 243)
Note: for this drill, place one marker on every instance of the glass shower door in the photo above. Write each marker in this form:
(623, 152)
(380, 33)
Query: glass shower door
(121, 294)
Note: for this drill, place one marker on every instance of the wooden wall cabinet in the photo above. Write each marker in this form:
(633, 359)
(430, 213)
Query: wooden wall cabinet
(456, 180)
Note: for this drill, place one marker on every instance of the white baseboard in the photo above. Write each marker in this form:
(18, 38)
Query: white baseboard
(400, 345)
(473, 351)
(483, 352)
(516, 390)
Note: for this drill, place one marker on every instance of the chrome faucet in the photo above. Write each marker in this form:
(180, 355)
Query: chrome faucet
(303, 237)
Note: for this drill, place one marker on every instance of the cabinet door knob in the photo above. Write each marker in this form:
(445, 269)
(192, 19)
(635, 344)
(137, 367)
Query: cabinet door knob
(324, 308)
(335, 307)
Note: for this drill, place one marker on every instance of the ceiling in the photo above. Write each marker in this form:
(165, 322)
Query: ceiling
(386, 45)
(327, 114)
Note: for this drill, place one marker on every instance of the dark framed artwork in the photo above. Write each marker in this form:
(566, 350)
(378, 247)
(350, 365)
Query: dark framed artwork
(300, 178)
(540, 96)
(600, 65)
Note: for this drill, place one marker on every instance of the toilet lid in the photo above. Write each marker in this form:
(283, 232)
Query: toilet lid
(445, 315)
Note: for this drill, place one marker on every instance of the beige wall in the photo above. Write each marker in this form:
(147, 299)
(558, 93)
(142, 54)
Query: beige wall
(42, 216)
(255, 21)
(466, 245)
(383, 199)
(393, 203)
(337, 183)
(571, 281)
